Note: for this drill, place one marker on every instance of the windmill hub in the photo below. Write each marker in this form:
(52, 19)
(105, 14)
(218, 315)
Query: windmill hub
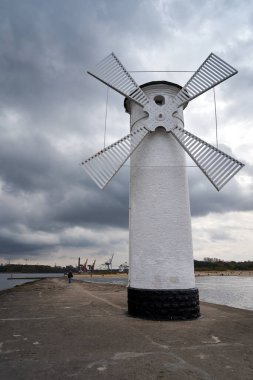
(160, 111)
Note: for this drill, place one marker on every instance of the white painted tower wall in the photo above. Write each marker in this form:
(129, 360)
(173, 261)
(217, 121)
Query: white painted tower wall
(161, 254)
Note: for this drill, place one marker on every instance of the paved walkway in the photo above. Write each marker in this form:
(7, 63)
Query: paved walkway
(53, 330)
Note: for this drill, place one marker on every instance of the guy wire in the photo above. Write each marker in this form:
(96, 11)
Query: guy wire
(106, 106)
(215, 114)
(161, 71)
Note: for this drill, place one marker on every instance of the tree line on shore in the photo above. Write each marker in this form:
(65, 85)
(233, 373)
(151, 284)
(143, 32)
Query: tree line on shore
(29, 268)
(219, 265)
(208, 264)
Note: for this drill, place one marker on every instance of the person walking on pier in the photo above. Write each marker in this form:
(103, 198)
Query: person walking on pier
(70, 275)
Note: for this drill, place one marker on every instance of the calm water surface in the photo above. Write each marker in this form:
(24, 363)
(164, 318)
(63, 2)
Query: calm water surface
(235, 291)
(7, 284)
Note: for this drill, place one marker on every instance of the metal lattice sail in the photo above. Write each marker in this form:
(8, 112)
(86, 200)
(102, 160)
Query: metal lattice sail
(218, 166)
(111, 72)
(212, 72)
(105, 164)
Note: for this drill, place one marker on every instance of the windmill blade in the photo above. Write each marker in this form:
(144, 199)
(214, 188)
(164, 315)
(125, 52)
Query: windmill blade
(105, 164)
(212, 72)
(111, 72)
(218, 166)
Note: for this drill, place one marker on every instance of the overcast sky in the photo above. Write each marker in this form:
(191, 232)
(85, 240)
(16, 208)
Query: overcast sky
(52, 116)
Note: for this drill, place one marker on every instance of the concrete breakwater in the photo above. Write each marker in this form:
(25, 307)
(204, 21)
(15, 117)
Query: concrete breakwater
(52, 329)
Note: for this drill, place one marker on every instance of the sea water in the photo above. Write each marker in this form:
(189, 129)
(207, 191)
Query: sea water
(7, 284)
(234, 291)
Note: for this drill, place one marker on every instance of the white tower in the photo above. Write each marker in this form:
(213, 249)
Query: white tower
(161, 273)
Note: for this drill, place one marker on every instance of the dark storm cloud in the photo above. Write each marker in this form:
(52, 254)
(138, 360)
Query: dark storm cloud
(17, 248)
(107, 208)
(63, 192)
(205, 199)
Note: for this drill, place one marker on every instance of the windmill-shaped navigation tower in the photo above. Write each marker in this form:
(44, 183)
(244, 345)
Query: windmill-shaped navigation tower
(161, 272)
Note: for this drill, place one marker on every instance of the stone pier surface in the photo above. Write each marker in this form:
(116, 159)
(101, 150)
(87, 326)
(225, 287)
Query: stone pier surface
(50, 329)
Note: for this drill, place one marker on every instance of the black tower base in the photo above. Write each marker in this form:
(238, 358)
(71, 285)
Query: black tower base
(155, 304)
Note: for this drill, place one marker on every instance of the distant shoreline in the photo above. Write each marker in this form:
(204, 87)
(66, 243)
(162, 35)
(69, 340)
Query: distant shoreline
(197, 274)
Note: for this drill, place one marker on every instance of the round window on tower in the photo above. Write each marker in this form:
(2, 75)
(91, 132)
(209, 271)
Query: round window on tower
(159, 100)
